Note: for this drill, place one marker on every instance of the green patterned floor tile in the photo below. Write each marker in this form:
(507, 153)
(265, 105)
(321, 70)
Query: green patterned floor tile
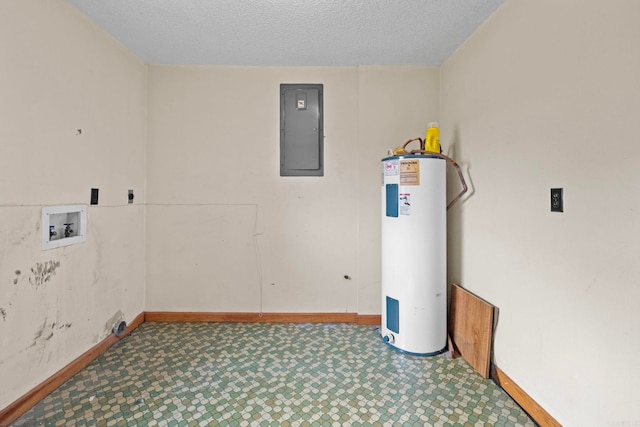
(208, 374)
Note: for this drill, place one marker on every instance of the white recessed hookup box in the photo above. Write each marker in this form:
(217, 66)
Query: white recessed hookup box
(63, 226)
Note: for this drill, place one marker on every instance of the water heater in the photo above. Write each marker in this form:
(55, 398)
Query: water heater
(414, 248)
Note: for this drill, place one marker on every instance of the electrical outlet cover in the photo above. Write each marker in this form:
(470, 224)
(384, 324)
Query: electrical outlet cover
(557, 204)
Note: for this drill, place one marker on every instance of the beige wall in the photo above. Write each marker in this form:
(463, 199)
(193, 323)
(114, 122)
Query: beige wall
(395, 105)
(59, 73)
(546, 94)
(226, 233)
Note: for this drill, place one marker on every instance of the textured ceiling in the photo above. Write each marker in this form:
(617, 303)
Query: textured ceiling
(290, 32)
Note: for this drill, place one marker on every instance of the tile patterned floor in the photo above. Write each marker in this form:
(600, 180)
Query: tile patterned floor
(199, 374)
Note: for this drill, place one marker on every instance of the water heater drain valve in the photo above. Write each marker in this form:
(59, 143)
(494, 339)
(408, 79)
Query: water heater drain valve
(389, 338)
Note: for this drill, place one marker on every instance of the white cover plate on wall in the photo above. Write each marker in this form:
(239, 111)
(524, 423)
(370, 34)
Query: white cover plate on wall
(58, 216)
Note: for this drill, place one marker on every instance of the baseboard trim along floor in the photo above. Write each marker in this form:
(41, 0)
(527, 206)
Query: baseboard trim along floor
(175, 316)
(530, 406)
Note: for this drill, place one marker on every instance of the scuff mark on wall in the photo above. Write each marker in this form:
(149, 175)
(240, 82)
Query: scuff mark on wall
(42, 272)
(38, 336)
(18, 273)
(46, 331)
(98, 253)
(21, 239)
(43, 335)
(3, 312)
(112, 321)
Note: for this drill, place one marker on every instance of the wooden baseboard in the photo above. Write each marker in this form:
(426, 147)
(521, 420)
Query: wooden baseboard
(35, 395)
(529, 405)
(171, 316)
(369, 319)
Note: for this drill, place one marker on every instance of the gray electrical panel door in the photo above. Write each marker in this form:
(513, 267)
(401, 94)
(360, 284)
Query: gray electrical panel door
(301, 130)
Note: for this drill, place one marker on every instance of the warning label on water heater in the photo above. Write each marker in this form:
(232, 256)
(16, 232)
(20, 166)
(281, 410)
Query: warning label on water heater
(410, 172)
(390, 168)
(404, 200)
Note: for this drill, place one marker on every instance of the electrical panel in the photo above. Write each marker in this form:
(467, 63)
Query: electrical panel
(301, 130)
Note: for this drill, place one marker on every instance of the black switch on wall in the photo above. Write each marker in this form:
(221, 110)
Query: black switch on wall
(94, 196)
(556, 200)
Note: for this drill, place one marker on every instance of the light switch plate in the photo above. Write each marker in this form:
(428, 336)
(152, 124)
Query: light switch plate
(94, 196)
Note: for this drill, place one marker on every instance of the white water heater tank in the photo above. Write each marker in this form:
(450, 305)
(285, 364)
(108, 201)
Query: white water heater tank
(414, 254)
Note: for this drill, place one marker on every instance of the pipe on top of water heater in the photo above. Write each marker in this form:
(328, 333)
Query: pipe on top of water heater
(401, 151)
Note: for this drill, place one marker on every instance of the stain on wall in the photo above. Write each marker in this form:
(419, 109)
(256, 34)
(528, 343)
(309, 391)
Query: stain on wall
(46, 331)
(42, 272)
(21, 239)
(112, 321)
(15, 280)
(3, 313)
(37, 338)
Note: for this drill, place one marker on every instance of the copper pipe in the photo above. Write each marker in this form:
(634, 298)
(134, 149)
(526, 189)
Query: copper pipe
(410, 141)
(453, 163)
